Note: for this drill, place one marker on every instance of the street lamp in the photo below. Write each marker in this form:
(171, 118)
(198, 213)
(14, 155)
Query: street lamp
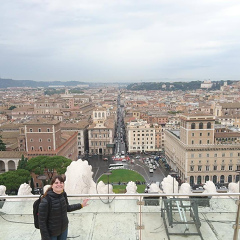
(172, 174)
(108, 174)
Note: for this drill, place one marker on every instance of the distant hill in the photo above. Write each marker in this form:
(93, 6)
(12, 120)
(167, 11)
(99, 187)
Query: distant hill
(5, 83)
(173, 86)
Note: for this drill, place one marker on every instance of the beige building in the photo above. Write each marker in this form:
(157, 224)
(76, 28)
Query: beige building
(140, 137)
(9, 160)
(81, 129)
(101, 132)
(101, 137)
(196, 153)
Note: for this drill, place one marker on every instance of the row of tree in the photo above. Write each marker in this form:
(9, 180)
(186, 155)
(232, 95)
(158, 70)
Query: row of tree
(174, 86)
(41, 165)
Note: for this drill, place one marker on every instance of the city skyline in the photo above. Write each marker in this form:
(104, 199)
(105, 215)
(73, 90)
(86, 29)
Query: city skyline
(127, 41)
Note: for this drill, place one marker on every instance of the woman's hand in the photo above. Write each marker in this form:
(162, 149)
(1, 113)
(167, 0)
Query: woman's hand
(84, 203)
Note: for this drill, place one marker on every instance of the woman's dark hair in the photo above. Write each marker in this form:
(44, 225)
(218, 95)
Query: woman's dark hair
(59, 177)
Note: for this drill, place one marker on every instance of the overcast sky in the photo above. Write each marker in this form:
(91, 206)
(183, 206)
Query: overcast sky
(123, 40)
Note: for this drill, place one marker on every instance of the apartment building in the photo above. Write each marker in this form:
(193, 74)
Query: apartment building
(159, 136)
(44, 137)
(101, 137)
(227, 109)
(101, 132)
(196, 153)
(48, 107)
(81, 129)
(140, 136)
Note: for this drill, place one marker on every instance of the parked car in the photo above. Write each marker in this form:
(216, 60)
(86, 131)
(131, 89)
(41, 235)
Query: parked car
(151, 170)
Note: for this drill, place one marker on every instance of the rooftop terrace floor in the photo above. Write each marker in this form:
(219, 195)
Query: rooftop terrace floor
(123, 219)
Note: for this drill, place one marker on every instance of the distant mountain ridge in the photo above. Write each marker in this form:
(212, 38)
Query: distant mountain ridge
(5, 83)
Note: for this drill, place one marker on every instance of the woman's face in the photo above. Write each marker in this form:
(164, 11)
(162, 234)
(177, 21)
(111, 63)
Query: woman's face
(58, 186)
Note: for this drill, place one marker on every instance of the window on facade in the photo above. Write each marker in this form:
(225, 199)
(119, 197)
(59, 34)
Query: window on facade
(192, 155)
(231, 154)
(39, 130)
(201, 125)
(48, 129)
(199, 155)
(215, 154)
(208, 125)
(200, 141)
(208, 141)
(230, 168)
(222, 168)
(223, 154)
(193, 126)
(199, 168)
(31, 140)
(215, 168)
(30, 130)
(40, 140)
(207, 154)
(208, 134)
(192, 134)
(207, 168)
(191, 168)
(49, 148)
(32, 148)
(40, 148)
(192, 142)
(200, 134)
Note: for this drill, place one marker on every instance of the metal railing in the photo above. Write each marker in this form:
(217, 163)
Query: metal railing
(148, 216)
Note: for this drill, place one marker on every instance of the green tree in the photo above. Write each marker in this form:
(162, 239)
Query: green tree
(22, 164)
(46, 164)
(13, 179)
(2, 144)
(12, 107)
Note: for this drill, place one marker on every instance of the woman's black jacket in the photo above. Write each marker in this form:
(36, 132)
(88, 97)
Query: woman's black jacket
(53, 218)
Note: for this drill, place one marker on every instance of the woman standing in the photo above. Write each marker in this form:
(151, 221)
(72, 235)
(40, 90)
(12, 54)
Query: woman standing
(53, 220)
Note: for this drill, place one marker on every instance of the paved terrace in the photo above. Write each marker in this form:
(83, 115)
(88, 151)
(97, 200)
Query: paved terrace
(123, 217)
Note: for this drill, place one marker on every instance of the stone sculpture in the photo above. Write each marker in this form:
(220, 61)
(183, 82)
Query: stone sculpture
(2, 190)
(185, 188)
(154, 188)
(79, 178)
(45, 188)
(103, 188)
(209, 187)
(24, 189)
(131, 188)
(168, 183)
(233, 187)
